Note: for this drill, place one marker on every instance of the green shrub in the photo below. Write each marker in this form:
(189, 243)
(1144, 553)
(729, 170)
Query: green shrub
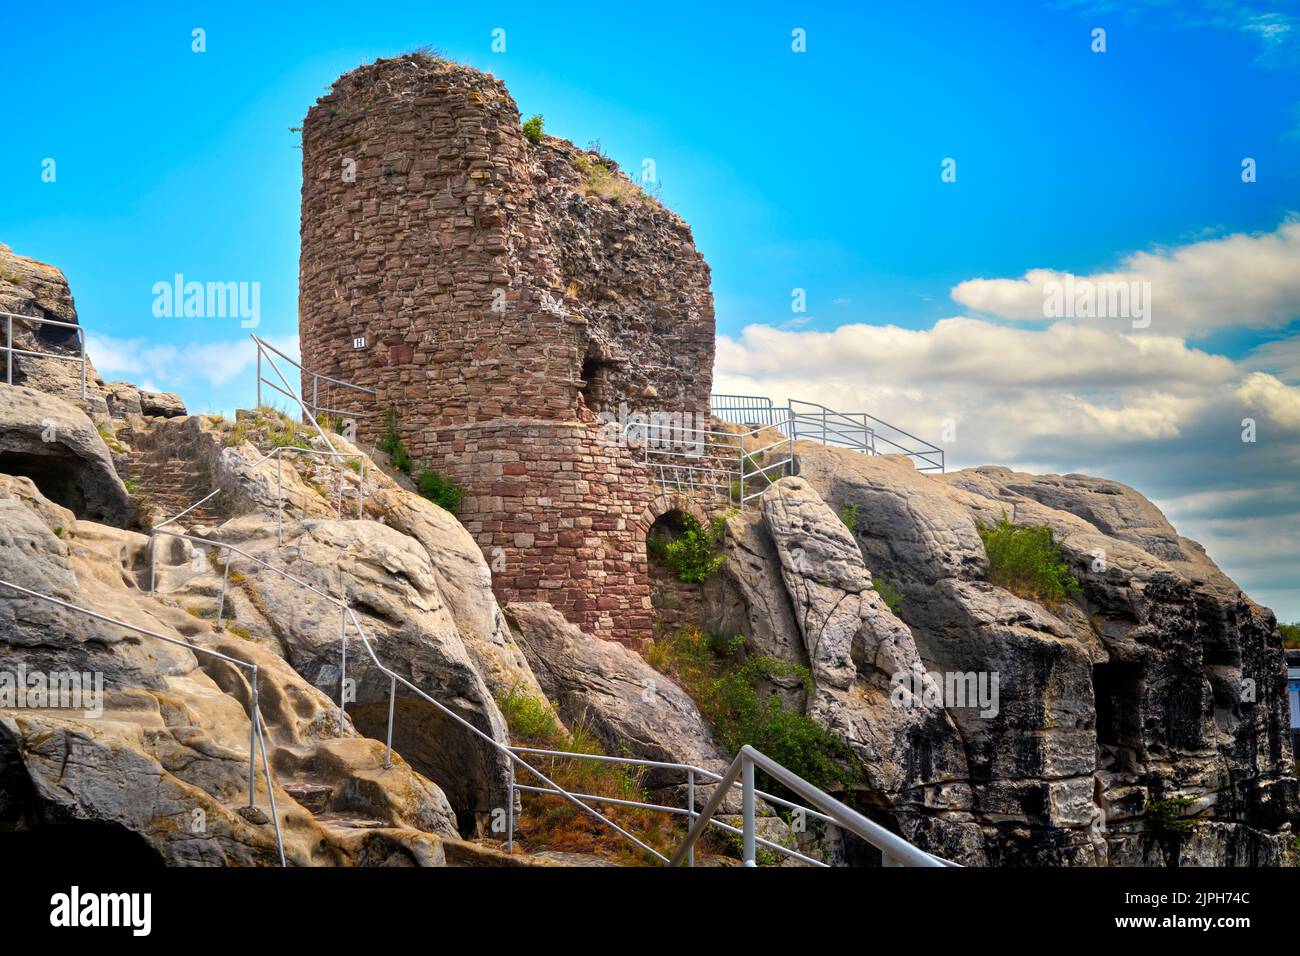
(439, 489)
(602, 178)
(849, 515)
(1165, 817)
(529, 718)
(390, 442)
(888, 592)
(725, 684)
(692, 554)
(534, 128)
(1290, 634)
(1026, 560)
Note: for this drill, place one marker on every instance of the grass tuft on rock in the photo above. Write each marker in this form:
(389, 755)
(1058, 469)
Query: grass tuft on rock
(1027, 561)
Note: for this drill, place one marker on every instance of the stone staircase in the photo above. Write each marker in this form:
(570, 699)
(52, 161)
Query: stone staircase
(167, 484)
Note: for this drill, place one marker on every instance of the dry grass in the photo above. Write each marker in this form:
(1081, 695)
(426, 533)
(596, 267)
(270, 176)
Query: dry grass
(552, 822)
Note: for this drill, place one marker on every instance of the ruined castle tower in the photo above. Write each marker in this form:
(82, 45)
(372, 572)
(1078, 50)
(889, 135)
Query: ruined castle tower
(498, 293)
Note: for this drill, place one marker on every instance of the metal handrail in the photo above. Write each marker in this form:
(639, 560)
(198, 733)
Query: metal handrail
(255, 711)
(10, 351)
(895, 851)
(316, 379)
(692, 774)
(731, 466)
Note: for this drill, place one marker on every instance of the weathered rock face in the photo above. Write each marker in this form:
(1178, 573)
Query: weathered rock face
(629, 706)
(31, 288)
(387, 578)
(1161, 680)
(162, 757)
(59, 448)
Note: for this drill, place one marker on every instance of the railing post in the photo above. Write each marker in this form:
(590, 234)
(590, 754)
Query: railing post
(392, 701)
(747, 784)
(361, 491)
(510, 811)
(82, 337)
(9, 350)
(259, 379)
(741, 451)
(253, 713)
(690, 812)
(279, 498)
(225, 579)
(343, 660)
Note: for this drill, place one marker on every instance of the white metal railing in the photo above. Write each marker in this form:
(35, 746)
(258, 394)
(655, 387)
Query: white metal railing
(256, 721)
(277, 454)
(693, 776)
(346, 616)
(809, 421)
(315, 407)
(691, 460)
(10, 350)
(894, 850)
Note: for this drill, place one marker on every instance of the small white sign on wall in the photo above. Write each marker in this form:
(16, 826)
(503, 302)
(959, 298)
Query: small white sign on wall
(359, 342)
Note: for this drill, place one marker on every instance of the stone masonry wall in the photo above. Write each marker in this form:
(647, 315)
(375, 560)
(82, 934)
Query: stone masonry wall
(486, 280)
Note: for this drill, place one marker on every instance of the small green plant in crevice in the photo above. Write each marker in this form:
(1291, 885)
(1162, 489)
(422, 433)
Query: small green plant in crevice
(693, 554)
(132, 485)
(1165, 817)
(58, 531)
(728, 685)
(534, 128)
(1027, 561)
(1290, 634)
(529, 717)
(440, 489)
(602, 178)
(390, 442)
(849, 515)
(888, 591)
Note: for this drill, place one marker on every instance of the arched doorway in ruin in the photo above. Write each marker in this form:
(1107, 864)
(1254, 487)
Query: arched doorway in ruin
(675, 603)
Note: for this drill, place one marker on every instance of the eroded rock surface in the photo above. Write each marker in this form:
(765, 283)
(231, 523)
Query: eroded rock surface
(1159, 681)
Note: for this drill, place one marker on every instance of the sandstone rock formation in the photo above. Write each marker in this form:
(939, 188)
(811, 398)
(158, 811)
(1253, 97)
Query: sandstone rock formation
(1160, 681)
(633, 709)
(38, 290)
(166, 763)
(50, 440)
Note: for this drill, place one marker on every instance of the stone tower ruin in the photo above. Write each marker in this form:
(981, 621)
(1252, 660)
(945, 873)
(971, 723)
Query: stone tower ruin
(500, 294)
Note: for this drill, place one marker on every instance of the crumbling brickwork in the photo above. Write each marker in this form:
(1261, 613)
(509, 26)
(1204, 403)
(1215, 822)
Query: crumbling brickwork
(502, 301)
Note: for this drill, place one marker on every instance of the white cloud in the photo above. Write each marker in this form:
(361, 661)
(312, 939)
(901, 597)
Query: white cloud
(1242, 280)
(175, 366)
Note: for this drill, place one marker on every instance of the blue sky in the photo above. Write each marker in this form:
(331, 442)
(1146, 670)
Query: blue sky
(818, 171)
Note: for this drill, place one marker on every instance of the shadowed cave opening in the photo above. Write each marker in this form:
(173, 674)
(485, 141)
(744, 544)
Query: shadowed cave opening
(57, 473)
(1117, 691)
